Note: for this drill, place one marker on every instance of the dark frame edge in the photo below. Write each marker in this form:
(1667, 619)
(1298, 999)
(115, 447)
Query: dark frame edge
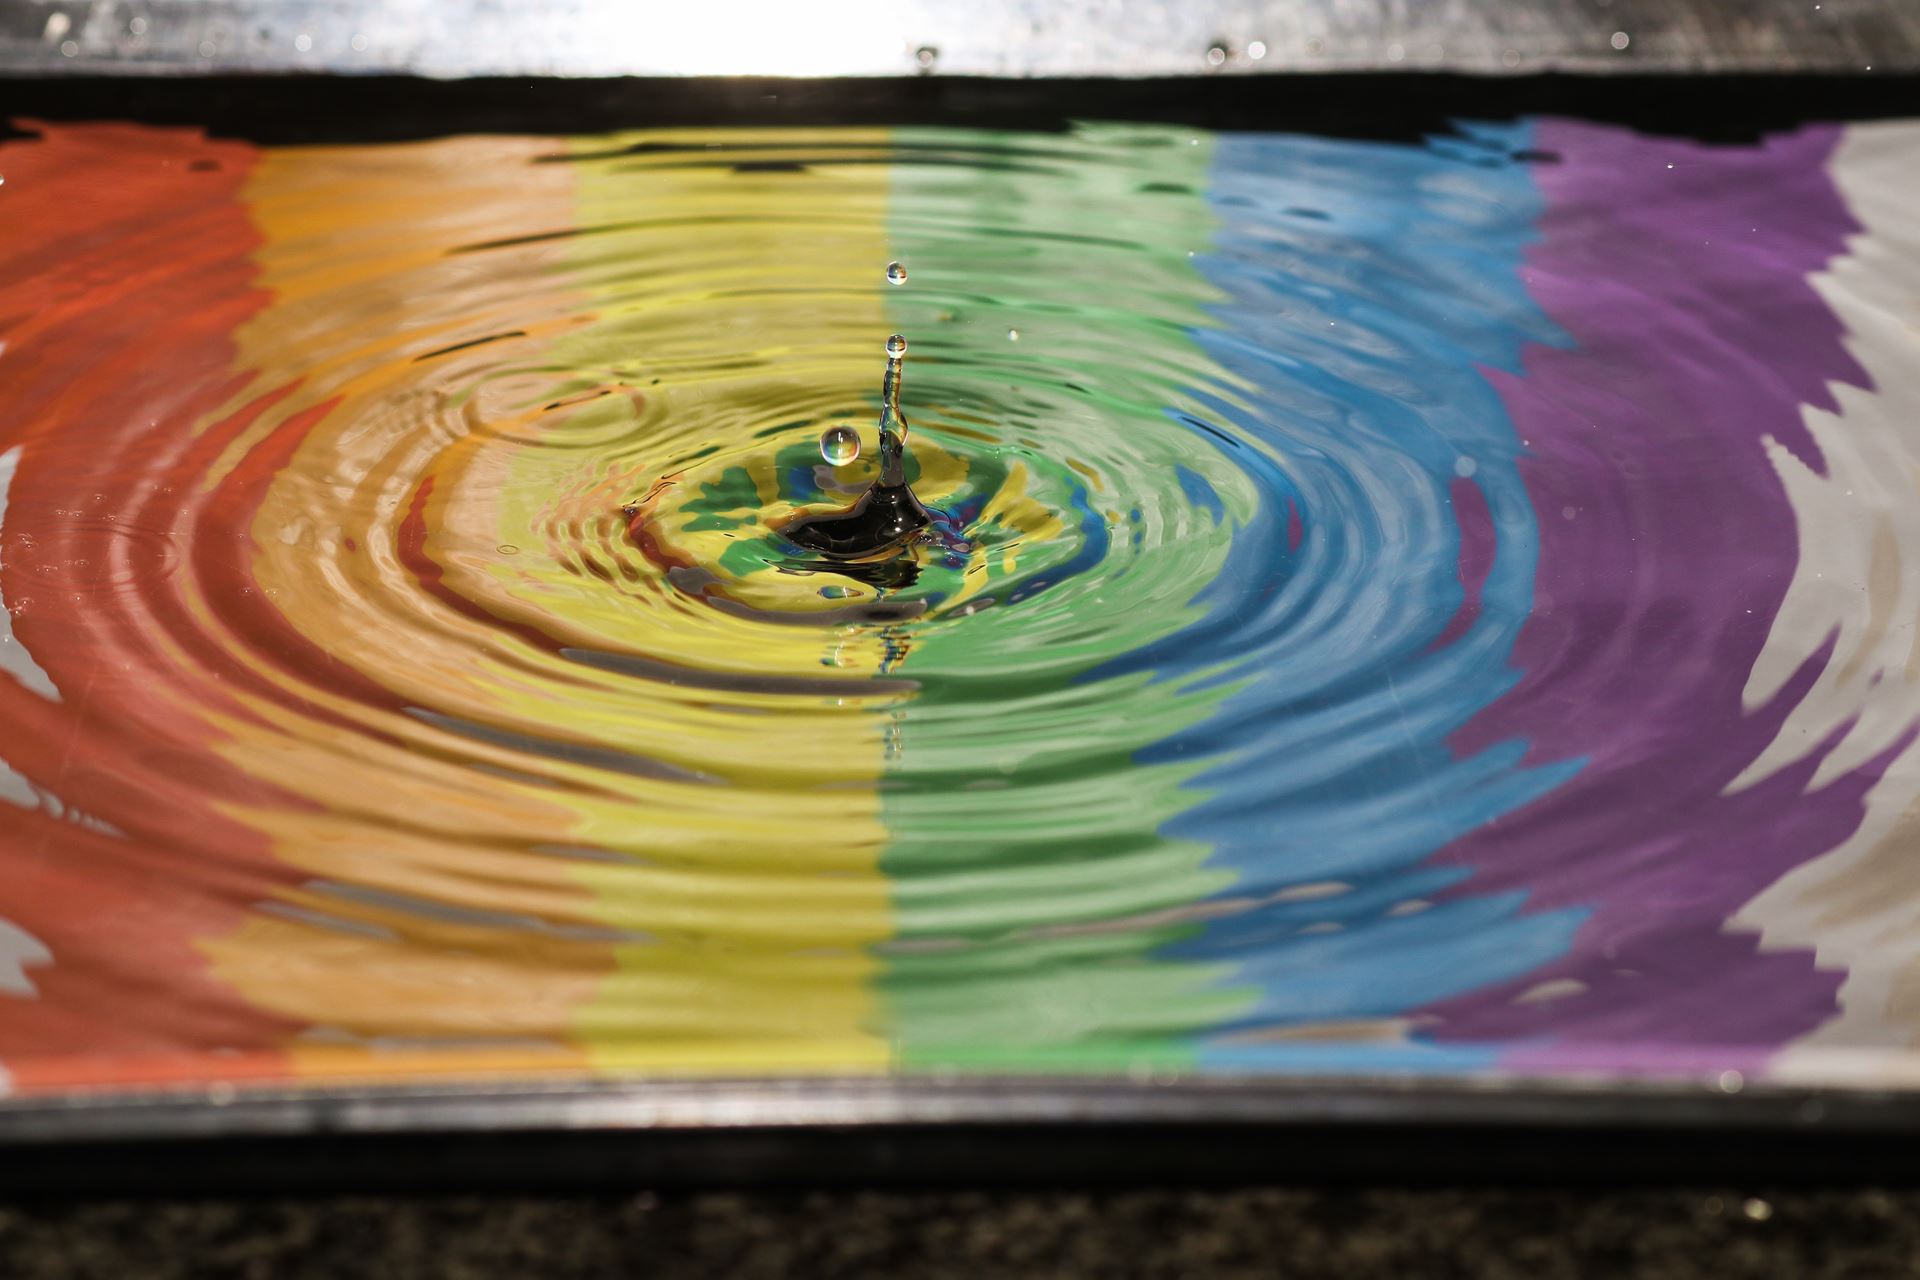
(1024, 1132)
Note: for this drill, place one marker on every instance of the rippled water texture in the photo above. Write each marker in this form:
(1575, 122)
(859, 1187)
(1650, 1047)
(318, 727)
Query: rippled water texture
(1444, 608)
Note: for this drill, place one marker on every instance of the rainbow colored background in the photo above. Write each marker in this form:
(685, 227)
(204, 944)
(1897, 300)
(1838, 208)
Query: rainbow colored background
(1481, 586)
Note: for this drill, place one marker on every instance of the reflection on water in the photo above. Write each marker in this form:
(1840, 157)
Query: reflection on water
(1443, 608)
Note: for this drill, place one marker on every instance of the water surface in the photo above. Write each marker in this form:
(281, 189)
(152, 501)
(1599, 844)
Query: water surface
(1443, 608)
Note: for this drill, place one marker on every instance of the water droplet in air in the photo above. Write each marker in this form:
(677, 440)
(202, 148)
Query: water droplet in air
(926, 55)
(1013, 335)
(1216, 54)
(896, 347)
(1620, 40)
(896, 273)
(839, 445)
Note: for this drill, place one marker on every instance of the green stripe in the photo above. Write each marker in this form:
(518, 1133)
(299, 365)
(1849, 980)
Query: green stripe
(1031, 885)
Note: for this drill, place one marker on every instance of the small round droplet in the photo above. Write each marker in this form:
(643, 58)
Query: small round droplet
(926, 55)
(839, 445)
(896, 273)
(1013, 335)
(1620, 40)
(896, 347)
(1216, 55)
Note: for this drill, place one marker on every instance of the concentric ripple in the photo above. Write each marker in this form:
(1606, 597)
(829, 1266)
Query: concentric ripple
(1320, 658)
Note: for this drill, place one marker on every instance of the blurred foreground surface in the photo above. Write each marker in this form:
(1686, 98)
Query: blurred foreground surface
(1192, 38)
(1720, 1233)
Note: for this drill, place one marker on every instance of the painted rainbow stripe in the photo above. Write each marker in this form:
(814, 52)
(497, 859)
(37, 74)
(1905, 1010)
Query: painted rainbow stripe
(1516, 671)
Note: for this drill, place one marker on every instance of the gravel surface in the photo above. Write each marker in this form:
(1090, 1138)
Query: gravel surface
(1713, 1234)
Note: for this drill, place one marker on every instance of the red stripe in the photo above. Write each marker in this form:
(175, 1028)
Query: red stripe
(125, 269)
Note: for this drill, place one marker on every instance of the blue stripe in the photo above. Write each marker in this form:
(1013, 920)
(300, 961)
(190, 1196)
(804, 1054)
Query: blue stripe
(1359, 338)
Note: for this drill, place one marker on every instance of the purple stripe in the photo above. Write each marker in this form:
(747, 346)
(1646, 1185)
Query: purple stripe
(1666, 545)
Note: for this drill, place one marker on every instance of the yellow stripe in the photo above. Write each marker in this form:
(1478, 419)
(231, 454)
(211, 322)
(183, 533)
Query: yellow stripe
(760, 963)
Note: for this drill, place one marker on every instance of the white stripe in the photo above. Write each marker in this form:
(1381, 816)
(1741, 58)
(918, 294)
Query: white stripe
(18, 949)
(1858, 582)
(14, 658)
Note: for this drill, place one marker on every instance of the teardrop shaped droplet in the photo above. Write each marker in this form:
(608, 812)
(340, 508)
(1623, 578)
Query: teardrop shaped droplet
(896, 273)
(896, 347)
(839, 445)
